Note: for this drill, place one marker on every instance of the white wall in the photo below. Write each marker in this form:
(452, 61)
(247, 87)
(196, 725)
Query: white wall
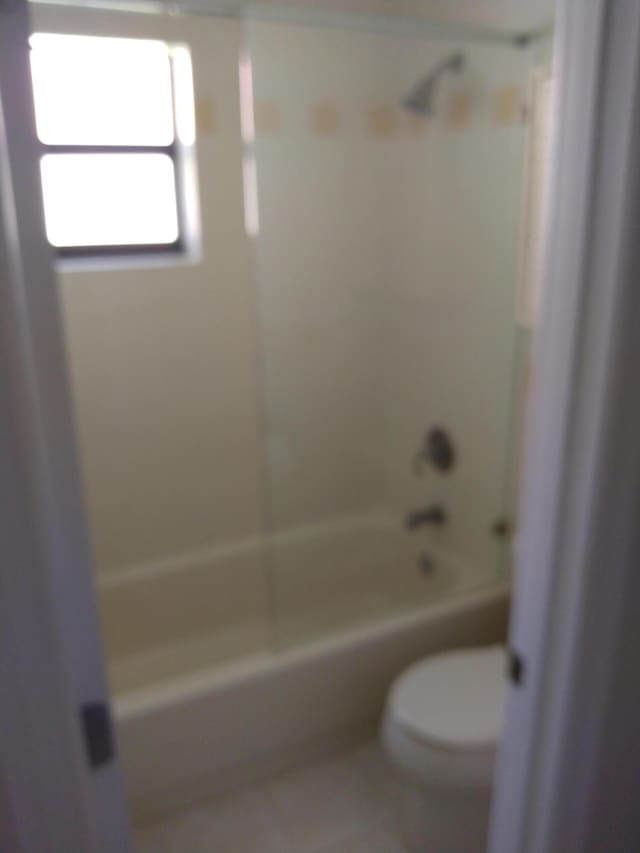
(164, 359)
(454, 215)
(287, 379)
(387, 269)
(318, 257)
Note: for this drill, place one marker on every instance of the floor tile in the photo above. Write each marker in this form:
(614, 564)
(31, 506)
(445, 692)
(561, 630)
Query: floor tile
(238, 823)
(374, 841)
(341, 804)
(324, 803)
(383, 784)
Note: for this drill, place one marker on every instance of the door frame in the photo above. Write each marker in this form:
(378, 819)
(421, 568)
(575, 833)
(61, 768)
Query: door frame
(562, 750)
(51, 659)
(569, 761)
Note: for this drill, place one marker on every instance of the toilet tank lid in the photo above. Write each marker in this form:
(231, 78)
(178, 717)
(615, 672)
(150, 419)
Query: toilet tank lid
(453, 700)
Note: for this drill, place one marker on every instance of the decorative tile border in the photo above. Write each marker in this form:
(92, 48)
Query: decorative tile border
(457, 114)
(267, 117)
(381, 121)
(205, 116)
(325, 118)
(507, 106)
(384, 121)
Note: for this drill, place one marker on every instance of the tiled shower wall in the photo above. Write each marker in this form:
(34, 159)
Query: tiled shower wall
(163, 357)
(375, 300)
(387, 269)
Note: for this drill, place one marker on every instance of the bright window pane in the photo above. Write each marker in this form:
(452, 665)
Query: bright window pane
(101, 91)
(109, 199)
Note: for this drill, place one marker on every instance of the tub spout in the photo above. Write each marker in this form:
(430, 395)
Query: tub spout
(435, 515)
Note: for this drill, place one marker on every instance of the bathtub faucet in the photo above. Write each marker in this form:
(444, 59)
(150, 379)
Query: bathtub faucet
(434, 514)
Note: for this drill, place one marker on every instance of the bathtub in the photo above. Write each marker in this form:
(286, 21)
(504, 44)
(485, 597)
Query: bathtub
(207, 696)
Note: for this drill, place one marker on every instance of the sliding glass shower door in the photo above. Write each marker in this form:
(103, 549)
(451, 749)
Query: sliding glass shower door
(387, 258)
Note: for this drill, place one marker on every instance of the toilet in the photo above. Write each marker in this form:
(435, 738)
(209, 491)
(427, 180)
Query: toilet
(441, 728)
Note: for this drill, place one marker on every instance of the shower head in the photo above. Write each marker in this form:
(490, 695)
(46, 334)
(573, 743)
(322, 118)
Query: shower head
(422, 98)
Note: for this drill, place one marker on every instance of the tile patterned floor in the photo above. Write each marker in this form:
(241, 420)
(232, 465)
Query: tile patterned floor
(342, 804)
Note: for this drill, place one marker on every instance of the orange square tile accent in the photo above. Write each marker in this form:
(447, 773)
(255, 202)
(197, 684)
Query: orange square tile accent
(381, 121)
(205, 115)
(267, 117)
(507, 106)
(458, 112)
(325, 118)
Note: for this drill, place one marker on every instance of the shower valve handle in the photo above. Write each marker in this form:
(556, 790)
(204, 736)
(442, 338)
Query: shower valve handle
(437, 450)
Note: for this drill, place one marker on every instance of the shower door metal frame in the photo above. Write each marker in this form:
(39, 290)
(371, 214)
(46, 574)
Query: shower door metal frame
(570, 756)
(60, 788)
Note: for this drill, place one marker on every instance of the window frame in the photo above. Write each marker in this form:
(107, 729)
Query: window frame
(172, 150)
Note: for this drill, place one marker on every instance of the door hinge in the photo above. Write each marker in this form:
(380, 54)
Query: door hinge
(515, 667)
(98, 733)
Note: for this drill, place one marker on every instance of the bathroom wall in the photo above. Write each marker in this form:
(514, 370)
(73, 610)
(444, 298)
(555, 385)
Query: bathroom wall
(163, 358)
(387, 266)
(281, 383)
(318, 255)
(455, 216)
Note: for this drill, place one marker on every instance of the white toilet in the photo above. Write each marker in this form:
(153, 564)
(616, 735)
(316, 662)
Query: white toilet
(441, 728)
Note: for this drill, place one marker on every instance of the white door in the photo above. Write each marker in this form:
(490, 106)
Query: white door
(60, 785)
(569, 765)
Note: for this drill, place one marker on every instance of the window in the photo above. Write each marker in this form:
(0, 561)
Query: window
(106, 120)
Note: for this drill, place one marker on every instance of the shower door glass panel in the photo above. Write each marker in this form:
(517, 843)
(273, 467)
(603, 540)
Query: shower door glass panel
(161, 349)
(387, 248)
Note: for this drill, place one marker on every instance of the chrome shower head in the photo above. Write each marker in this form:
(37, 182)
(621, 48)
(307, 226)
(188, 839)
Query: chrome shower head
(422, 99)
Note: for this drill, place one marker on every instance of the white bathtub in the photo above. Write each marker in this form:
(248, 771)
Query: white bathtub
(201, 733)
(231, 662)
